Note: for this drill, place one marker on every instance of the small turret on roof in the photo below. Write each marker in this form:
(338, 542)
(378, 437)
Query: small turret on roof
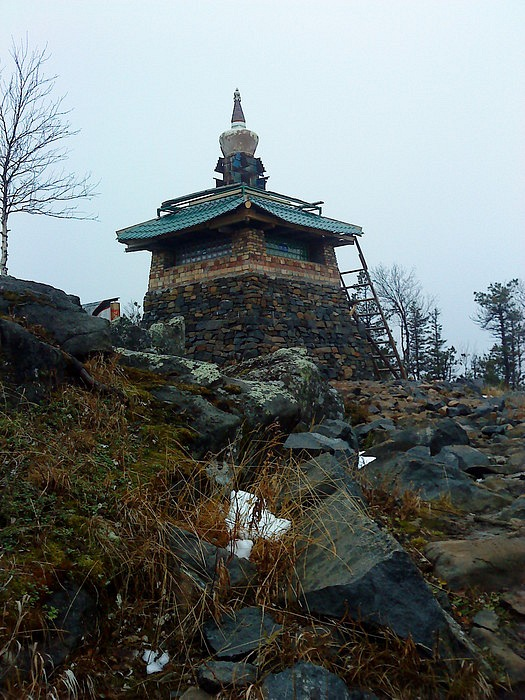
(238, 144)
(238, 139)
(237, 115)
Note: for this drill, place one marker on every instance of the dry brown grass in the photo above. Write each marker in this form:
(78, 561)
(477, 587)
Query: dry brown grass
(96, 497)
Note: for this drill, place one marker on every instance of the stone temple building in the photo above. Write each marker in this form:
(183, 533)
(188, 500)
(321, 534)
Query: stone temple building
(251, 270)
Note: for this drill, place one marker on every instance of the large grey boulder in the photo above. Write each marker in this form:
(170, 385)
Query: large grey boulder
(435, 436)
(291, 374)
(350, 567)
(30, 367)
(306, 681)
(432, 478)
(57, 314)
(27, 362)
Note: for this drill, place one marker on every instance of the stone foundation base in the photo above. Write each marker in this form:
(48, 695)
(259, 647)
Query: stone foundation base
(236, 318)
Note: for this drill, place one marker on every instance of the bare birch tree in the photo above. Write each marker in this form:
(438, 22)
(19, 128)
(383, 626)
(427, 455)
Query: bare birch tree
(33, 129)
(403, 300)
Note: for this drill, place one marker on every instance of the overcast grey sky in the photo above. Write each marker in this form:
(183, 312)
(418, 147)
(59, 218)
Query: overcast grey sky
(405, 116)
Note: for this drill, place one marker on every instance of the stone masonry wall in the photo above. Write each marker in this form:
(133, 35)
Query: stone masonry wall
(235, 318)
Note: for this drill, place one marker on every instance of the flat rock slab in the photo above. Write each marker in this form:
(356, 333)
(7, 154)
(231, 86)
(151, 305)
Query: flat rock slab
(215, 676)
(239, 634)
(316, 443)
(489, 564)
(512, 663)
(305, 681)
(320, 477)
(350, 567)
(515, 600)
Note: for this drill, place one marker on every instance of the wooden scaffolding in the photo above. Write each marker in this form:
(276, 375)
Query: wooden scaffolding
(368, 314)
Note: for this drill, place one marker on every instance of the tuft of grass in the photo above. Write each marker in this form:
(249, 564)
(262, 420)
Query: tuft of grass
(356, 413)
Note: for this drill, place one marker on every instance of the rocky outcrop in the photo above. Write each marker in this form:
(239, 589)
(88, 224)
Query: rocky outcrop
(284, 387)
(477, 542)
(449, 464)
(59, 316)
(44, 332)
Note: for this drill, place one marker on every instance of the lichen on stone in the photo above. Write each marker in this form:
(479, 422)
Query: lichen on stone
(203, 372)
(263, 392)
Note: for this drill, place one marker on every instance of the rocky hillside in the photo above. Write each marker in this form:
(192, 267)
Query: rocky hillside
(169, 529)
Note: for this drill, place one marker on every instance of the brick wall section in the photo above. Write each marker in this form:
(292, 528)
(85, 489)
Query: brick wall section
(248, 255)
(244, 315)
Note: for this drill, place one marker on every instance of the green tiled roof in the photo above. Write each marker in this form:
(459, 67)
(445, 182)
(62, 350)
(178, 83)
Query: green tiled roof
(294, 215)
(209, 205)
(189, 216)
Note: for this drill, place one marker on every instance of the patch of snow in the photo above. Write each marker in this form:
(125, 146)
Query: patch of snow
(363, 460)
(242, 548)
(270, 526)
(155, 660)
(248, 517)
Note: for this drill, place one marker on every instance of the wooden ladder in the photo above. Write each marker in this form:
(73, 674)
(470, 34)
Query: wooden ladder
(372, 320)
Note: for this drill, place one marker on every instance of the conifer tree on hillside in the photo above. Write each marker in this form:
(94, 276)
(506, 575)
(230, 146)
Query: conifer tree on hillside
(440, 359)
(417, 321)
(502, 313)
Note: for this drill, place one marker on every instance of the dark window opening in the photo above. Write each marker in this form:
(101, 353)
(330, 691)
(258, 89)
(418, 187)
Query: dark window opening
(284, 247)
(202, 250)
